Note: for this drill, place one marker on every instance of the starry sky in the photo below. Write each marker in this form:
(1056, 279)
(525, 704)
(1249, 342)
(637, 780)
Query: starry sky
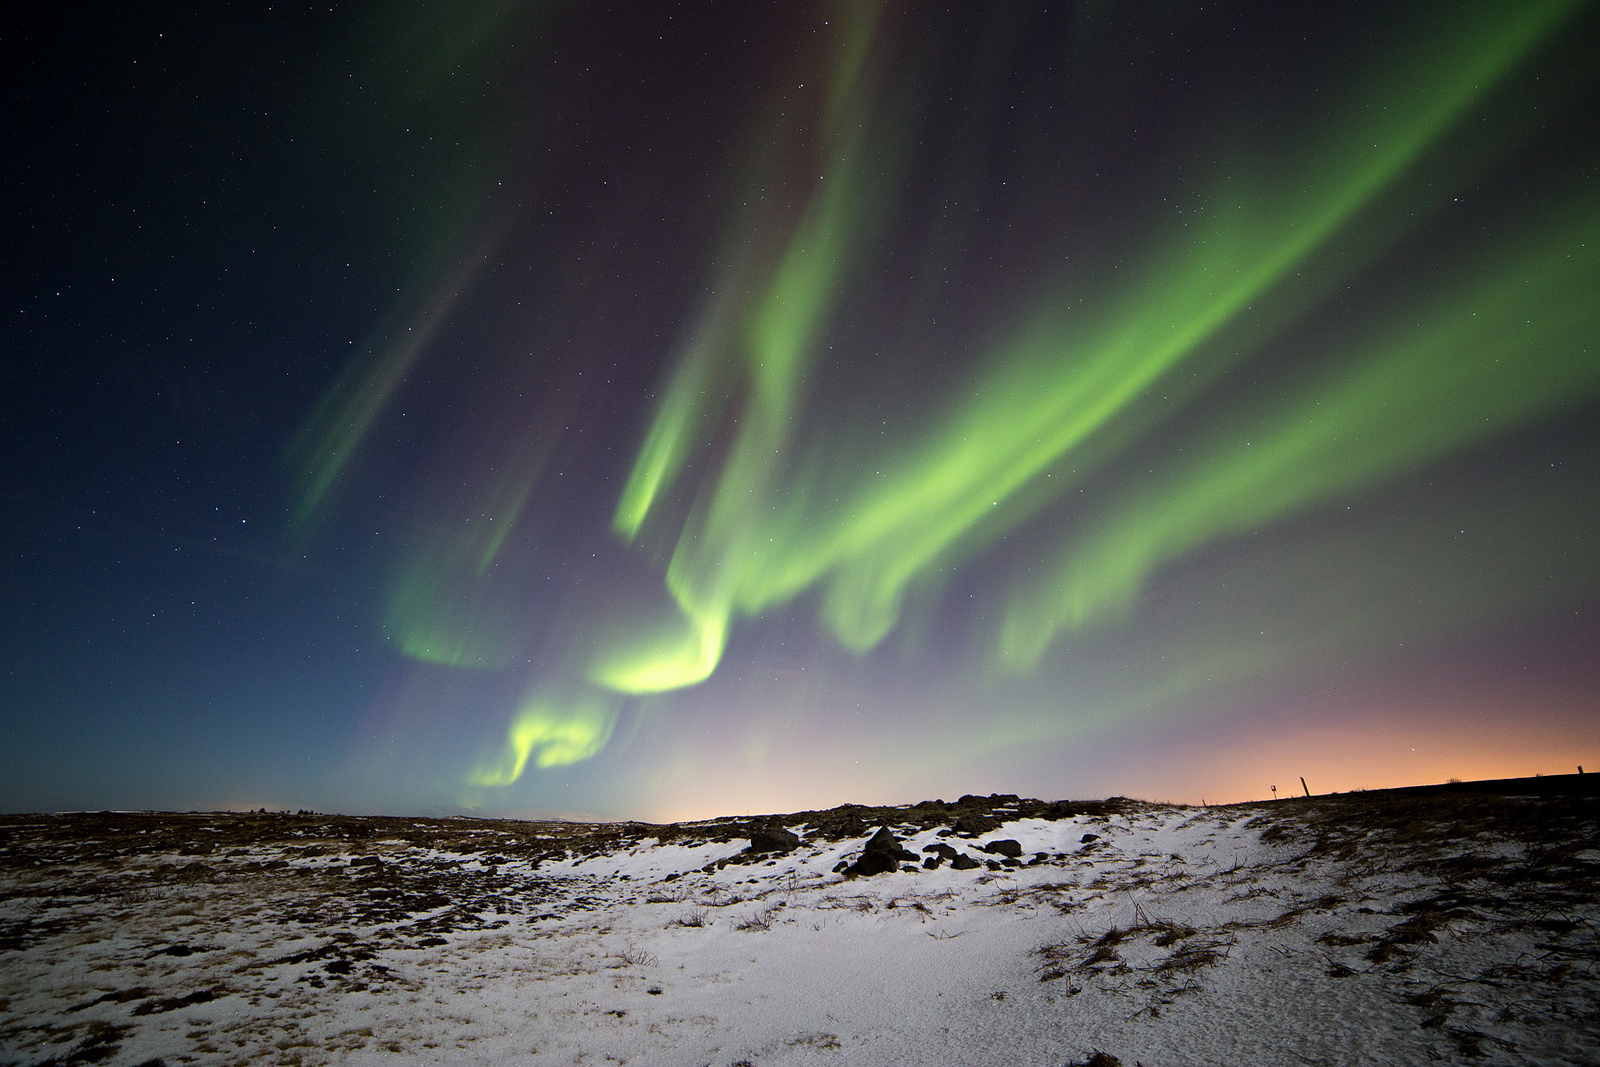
(650, 410)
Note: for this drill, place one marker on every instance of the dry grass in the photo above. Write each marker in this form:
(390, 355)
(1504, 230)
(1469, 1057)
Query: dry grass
(694, 919)
(760, 922)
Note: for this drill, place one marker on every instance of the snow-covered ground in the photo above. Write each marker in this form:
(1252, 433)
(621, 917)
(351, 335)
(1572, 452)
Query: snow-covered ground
(1367, 928)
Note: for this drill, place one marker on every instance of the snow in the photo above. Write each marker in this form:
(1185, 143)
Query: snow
(1262, 934)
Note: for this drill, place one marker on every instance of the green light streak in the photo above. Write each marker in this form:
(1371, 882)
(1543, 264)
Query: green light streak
(777, 344)
(670, 441)
(506, 500)
(1065, 379)
(861, 23)
(671, 655)
(552, 733)
(1057, 388)
(441, 612)
(1484, 356)
(795, 306)
(1365, 585)
(451, 604)
(805, 286)
(331, 437)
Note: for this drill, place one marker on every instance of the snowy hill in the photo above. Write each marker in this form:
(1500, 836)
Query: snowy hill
(1397, 927)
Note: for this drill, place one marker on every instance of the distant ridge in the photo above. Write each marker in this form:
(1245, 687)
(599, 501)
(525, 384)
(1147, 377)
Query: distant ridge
(1545, 785)
(1008, 804)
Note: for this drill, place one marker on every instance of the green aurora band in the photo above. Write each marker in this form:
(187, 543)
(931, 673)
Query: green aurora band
(762, 541)
(552, 733)
(777, 341)
(1488, 354)
(1066, 382)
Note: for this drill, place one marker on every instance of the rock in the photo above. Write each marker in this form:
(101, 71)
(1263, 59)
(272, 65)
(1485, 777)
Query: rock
(872, 863)
(1086, 838)
(1004, 847)
(964, 863)
(975, 824)
(932, 863)
(882, 855)
(883, 841)
(939, 848)
(772, 840)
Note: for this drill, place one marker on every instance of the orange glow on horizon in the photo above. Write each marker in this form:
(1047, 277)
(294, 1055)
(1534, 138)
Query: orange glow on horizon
(1379, 749)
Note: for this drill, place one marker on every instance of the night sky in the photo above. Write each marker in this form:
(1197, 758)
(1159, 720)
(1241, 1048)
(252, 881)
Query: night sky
(663, 410)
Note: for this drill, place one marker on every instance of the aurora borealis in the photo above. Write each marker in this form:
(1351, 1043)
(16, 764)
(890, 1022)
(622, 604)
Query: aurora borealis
(664, 411)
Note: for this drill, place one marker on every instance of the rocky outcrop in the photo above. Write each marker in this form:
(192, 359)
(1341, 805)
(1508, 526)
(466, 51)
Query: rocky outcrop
(883, 854)
(764, 840)
(973, 825)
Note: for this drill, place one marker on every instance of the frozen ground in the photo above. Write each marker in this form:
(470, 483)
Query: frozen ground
(1402, 928)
